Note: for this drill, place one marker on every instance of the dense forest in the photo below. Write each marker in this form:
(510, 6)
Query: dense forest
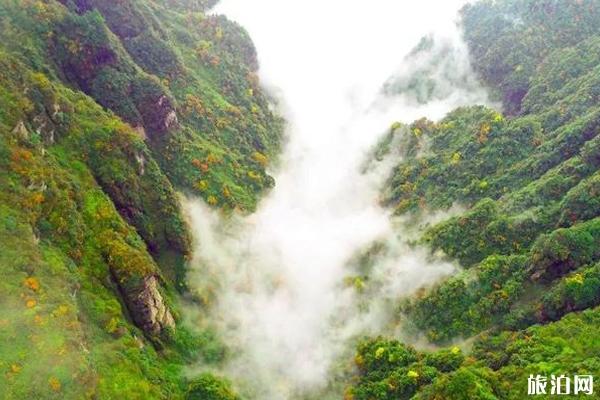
(110, 109)
(529, 240)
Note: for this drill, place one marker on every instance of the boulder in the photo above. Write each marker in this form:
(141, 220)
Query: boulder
(148, 308)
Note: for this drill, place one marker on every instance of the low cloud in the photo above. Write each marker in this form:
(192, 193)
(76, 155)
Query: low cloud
(276, 283)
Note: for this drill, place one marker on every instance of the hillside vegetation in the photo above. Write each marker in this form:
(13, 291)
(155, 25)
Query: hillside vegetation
(107, 108)
(529, 240)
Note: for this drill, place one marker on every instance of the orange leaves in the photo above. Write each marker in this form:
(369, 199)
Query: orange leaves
(20, 156)
(204, 51)
(205, 166)
(215, 61)
(37, 199)
(32, 283)
(55, 384)
(196, 163)
(33, 200)
(200, 165)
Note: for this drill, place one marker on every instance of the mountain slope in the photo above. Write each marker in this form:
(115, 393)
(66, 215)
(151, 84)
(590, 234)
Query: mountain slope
(106, 109)
(529, 239)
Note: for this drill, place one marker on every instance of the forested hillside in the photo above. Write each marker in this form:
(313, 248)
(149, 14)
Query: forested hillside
(106, 109)
(529, 240)
(110, 110)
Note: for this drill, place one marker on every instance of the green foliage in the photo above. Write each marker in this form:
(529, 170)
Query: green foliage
(445, 360)
(569, 346)
(466, 305)
(379, 356)
(529, 238)
(576, 291)
(508, 59)
(499, 364)
(224, 115)
(73, 178)
(209, 387)
(61, 307)
(488, 296)
(528, 180)
(389, 369)
(105, 109)
(456, 236)
(467, 383)
(582, 202)
(461, 151)
(184, 80)
(565, 249)
(191, 5)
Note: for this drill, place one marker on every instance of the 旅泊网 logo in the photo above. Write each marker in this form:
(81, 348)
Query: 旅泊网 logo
(560, 385)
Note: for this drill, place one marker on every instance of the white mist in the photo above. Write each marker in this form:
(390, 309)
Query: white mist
(280, 302)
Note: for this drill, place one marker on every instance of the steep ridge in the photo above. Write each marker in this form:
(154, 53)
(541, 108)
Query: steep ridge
(106, 109)
(529, 239)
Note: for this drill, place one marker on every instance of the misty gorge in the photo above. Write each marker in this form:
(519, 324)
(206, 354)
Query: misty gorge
(281, 200)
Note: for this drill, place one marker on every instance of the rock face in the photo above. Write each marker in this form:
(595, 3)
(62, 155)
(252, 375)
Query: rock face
(148, 308)
(20, 131)
(159, 115)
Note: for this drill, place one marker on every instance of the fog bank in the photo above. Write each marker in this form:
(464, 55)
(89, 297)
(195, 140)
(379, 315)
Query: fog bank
(343, 73)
